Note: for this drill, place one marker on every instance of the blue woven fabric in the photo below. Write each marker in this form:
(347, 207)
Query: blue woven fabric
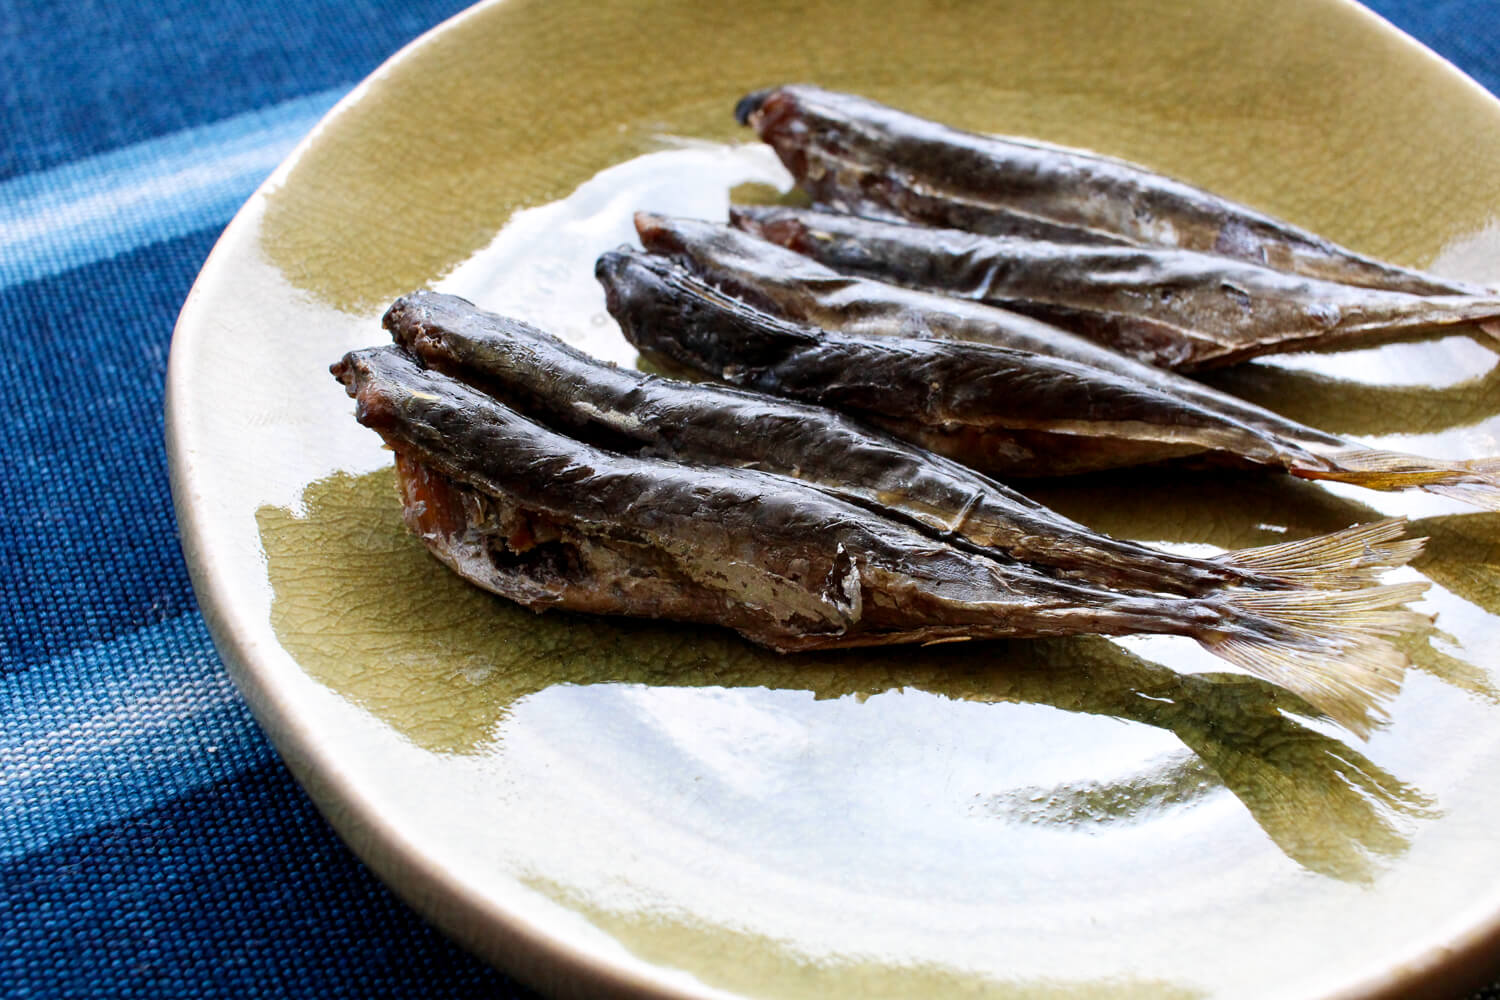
(151, 844)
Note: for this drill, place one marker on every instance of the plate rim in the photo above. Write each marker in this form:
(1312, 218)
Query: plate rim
(549, 963)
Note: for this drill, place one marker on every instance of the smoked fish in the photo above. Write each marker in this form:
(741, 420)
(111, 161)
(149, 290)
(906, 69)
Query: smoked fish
(1004, 410)
(635, 413)
(553, 522)
(1178, 309)
(856, 155)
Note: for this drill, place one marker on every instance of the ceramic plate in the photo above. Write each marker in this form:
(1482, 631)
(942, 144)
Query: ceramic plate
(650, 809)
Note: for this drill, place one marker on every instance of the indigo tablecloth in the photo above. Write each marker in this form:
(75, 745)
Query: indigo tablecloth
(151, 844)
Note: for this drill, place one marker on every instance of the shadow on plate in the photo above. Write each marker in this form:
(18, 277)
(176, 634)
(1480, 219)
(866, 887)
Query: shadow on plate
(1232, 509)
(365, 610)
(1349, 406)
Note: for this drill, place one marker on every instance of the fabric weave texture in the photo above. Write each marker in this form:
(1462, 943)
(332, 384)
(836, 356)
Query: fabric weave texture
(151, 843)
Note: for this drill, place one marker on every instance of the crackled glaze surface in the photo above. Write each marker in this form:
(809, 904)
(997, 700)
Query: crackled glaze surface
(654, 809)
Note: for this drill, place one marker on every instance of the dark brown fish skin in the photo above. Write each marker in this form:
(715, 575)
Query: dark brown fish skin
(737, 264)
(1171, 308)
(799, 289)
(859, 156)
(708, 424)
(551, 522)
(1002, 411)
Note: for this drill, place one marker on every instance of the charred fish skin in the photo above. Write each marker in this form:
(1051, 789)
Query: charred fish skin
(707, 423)
(996, 409)
(552, 522)
(858, 155)
(1171, 308)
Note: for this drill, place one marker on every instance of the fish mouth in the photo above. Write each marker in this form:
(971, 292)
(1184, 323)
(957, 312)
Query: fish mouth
(610, 271)
(769, 111)
(626, 264)
(751, 103)
(634, 293)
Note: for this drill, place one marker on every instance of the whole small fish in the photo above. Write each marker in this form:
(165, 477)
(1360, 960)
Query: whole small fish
(797, 288)
(552, 522)
(1004, 410)
(869, 159)
(1178, 309)
(632, 412)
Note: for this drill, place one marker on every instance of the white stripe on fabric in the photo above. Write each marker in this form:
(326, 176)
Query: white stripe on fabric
(106, 205)
(111, 730)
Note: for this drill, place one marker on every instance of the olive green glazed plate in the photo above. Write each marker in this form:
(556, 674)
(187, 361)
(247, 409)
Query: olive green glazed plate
(644, 809)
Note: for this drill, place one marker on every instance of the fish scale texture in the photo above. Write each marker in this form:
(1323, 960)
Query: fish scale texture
(151, 844)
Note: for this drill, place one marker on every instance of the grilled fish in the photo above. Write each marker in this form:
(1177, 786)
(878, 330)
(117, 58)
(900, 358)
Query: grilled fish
(1179, 309)
(859, 156)
(552, 522)
(634, 413)
(1004, 410)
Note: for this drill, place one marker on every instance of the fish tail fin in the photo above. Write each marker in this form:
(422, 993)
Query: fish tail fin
(1342, 560)
(1475, 482)
(1329, 647)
